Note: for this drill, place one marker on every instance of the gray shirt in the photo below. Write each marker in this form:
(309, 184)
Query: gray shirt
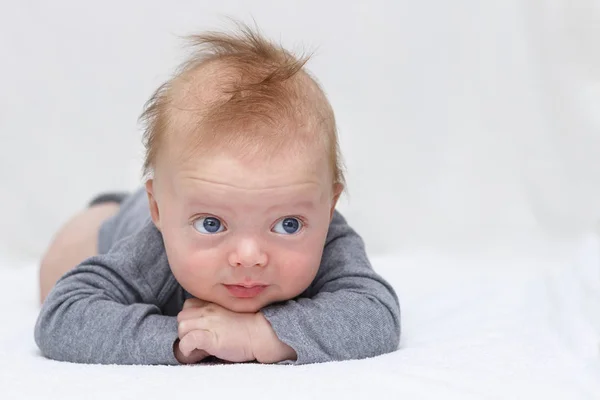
(121, 306)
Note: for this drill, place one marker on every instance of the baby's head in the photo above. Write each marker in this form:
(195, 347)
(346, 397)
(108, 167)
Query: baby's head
(243, 170)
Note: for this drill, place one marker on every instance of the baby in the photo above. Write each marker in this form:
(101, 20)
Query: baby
(233, 249)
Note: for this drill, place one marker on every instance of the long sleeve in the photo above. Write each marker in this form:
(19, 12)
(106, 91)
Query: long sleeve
(107, 310)
(349, 312)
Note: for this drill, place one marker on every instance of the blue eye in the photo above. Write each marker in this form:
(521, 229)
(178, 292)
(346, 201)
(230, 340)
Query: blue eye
(208, 225)
(288, 226)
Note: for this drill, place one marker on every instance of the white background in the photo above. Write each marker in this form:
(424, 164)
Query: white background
(464, 124)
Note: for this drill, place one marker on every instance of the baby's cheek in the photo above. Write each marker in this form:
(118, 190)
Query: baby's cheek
(298, 272)
(185, 264)
(200, 264)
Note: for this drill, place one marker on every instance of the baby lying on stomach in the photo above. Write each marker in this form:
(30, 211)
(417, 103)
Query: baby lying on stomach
(233, 248)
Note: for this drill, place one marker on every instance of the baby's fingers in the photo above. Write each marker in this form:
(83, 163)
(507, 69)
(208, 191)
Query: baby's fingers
(193, 323)
(194, 357)
(197, 339)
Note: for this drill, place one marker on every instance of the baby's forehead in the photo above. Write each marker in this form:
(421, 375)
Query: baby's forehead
(264, 183)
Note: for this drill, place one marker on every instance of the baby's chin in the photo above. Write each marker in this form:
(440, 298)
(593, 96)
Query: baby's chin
(245, 305)
(243, 308)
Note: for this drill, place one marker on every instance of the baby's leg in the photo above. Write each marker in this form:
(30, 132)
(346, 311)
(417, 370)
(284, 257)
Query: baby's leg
(73, 243)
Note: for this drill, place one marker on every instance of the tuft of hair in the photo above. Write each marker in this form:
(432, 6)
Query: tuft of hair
(239, 89)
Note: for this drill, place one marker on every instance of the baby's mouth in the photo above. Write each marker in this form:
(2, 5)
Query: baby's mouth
(245, 291)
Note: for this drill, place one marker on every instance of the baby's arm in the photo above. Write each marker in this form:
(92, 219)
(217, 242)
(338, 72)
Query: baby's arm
(106, 311)
(350, 312)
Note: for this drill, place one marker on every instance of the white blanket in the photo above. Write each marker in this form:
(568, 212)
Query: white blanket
(525, 326)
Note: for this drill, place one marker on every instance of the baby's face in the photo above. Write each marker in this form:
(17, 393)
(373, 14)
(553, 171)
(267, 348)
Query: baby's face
(243, 234)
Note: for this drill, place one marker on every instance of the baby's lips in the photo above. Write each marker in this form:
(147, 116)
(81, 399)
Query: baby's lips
(244, 291)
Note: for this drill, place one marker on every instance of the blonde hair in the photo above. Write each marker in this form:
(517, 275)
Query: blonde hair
(247, 82)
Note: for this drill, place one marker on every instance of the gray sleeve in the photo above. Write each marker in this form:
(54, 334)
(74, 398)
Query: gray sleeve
(107, 310)
(349, 312)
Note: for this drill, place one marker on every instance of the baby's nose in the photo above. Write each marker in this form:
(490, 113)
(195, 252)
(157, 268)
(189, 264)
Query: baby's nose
(248, 253)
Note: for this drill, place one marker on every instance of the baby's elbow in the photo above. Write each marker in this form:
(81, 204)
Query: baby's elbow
(392, 332)
(42, 337)
(48, 336)
(393, 340)
(396, 330)
(43, 334)
(388, 316)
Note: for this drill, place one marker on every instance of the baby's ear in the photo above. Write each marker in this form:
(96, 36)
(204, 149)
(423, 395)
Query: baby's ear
(338, 188)
(154, 213)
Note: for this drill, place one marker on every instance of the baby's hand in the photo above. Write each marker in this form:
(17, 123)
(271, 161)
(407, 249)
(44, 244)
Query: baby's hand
(208, 329)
